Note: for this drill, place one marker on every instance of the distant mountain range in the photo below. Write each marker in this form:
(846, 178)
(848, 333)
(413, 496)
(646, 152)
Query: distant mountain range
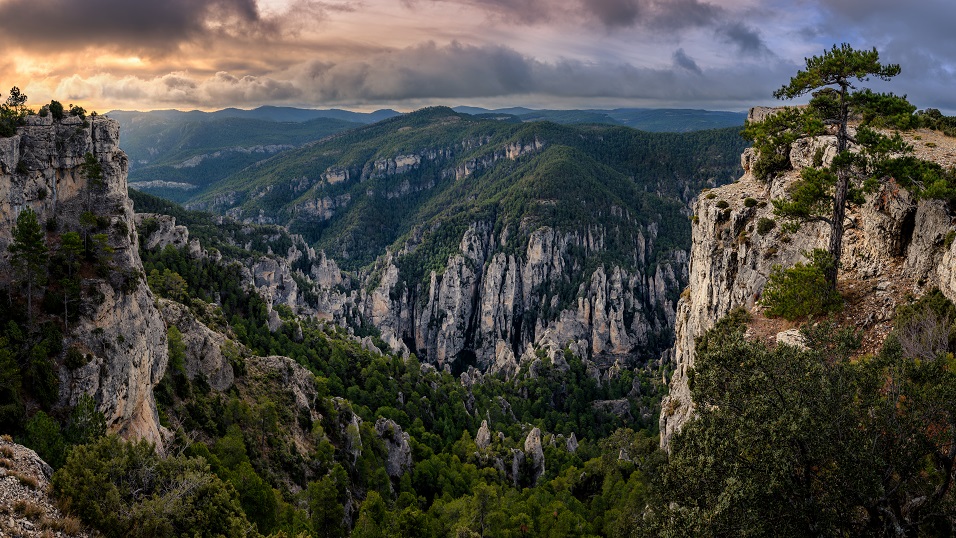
(181, 154)
(671, 120)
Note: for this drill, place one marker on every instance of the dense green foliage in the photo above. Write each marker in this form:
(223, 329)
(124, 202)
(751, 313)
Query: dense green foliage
(13, 112)
(798, 442)
(801, 291)
(932, 118)
(126, 489)
(29, 254)
(249, 432)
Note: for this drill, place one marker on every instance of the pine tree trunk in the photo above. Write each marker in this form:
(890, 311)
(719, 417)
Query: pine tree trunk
(840, 191)
(836, 227)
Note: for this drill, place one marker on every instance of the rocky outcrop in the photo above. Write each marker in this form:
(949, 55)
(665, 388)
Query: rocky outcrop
(160, 231)
(26, 508)
(204, 346)
(893, 237)
(535, 452)
(483, 438)
(398, 457)
(120, 329)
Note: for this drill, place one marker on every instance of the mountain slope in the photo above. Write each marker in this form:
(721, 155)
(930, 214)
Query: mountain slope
(179, 159)
(674, 120)
(471, 241)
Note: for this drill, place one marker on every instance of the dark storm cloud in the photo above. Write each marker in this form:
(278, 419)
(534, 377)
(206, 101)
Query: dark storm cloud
(917, 35)
(682, 60)
(613, 13)
(746, 39)
(458, 71)
(422, 71)
(140, 27)
(663, 15)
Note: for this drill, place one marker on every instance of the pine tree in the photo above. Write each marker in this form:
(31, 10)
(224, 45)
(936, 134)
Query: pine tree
(824, 191)
(30, 254)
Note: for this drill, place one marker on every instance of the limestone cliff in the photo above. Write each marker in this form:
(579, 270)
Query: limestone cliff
(493, 309)
(895, 245)
(120, 331)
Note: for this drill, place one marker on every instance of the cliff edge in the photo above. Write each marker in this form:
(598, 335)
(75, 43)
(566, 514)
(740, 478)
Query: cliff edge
(895, 245)
(119, 332)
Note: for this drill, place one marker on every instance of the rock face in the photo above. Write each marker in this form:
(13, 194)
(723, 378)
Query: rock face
(893, 238)
(534, 451)
(399, 453)
(483, 438)
(493, 310)
(27, 508)
(120, 328)
(161, 230)
(203, 346)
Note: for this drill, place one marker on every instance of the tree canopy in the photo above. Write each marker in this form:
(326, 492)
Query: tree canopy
(810, 441)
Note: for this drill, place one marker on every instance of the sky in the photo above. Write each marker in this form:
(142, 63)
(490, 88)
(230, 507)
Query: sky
(405, 54)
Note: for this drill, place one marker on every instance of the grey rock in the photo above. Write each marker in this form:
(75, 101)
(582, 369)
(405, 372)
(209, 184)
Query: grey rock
(203, 346)
(793, 338)
(483, 438)
(399, 453)
(40, 169)
(534, 450)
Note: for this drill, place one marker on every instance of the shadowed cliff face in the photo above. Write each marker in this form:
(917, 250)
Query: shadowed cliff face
(119, 329)
(895, 245)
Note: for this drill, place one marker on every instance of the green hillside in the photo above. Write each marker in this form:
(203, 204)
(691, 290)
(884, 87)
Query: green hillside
(178, 157)
(565, 177)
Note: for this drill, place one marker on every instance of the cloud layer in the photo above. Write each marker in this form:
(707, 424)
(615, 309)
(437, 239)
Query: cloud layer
(367, 53)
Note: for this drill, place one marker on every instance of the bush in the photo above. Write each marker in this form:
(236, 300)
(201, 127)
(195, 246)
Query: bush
(765, 224)
(722, 204)
(126, 489)
(750, 202)
(44, 437)
(801, 290)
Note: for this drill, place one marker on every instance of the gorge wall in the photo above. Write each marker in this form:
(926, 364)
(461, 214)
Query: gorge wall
(120, 331)
(496, 304)
(894, 246)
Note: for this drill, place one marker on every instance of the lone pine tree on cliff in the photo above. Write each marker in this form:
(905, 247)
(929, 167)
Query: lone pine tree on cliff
(824, 190)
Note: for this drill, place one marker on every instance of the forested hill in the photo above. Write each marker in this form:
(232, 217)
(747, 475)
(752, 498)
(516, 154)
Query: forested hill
(474, 241)
(178, 154)
(358, 192)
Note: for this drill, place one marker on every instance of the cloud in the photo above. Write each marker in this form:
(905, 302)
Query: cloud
(428, 73)
(682, 60)
(658, 15)
(614, 13)
(746, 39)
(151, 28)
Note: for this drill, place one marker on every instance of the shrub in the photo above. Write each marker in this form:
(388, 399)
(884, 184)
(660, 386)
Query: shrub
(950, 236)
(711, 196)
(764, 225)
(750, 202)
(126, 489)
(801, 290)
(722, 204)
(44, 436)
